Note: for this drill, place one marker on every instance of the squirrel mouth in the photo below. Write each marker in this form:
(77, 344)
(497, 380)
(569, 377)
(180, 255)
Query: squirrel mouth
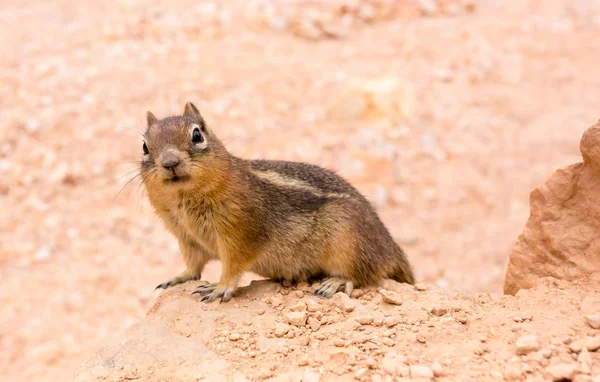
(178, 179)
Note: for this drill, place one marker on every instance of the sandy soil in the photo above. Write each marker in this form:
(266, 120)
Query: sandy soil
(474, 106)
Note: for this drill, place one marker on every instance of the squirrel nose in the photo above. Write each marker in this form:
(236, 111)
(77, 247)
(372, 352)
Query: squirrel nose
(169, 162)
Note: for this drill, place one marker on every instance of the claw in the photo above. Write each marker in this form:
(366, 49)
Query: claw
(205, 298)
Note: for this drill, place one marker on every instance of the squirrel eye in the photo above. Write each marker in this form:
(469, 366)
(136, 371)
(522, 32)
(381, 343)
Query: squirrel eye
(196, 136)
(145, 148)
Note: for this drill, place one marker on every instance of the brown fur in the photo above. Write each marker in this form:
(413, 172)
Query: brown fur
(282, 220)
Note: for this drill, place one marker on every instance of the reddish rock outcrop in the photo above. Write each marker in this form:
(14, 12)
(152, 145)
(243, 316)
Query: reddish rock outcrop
(562, 236)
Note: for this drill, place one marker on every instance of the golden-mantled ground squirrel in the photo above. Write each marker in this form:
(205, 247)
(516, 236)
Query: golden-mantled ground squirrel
(281, 220)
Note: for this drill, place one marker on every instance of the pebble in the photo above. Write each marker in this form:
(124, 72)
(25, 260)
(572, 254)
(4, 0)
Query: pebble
(388, 342)
(418, 371)
(303, 362)
(296, 318)
(300, 306)
(437, 368)
(357, 293)
(439, 310)
(420, 287)
(390, 321)
(462, 318)
(312, 305)
(339, 342)
(512, 373)
(365, 320)
(299, 293)
(562, 371)
(286, 283)
(391, 297)
(314, 324)
(593, 320)
(260, 311)
(275, 301)
(361, 373)
(421, 338)
(590, 343)
(527, 344)
(343, 301)
(234, 337)
(281, 329)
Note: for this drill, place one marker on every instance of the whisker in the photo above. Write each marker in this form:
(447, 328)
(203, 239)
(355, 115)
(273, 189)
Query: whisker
(119, 193)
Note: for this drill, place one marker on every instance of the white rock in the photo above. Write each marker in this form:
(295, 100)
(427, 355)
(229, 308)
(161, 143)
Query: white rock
(593, 320)
(527, 344)
(562, 371)
(418, 371)
(343, 301)
(296, 318)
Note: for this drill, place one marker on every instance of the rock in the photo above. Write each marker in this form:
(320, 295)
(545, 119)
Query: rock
(562, 371)
(391, 297)
(461, 317)
(593, 320)
(420, 287)
(428, 7)
(391, 362)
(365, 320)
(585, 360)
(390, 321)
(343, 301)
(527, 344)
(281, 329)
(596, 378)
(561, 237)
(296, 318)
(439, 310)
(300, 306)
(590, 304)
(314, 324)
(438, 370)
(286, 283)
(312, 305)
(589, 343)
(513, 373)
(423, 372)
(338, 342)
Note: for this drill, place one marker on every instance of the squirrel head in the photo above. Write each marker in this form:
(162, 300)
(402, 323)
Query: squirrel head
(181, 152)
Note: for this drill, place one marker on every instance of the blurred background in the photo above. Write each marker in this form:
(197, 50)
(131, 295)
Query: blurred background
(444, 113)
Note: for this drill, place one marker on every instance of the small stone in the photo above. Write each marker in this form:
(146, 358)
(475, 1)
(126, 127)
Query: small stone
(305, 340)
(260, 311)
(439, 310)
(281, 329)
(496, 374)
(390, 321)
(420, 287)
(438, 370)
(303, 362)
(593, 320)
(428, 7)
(312, 305)
(590, 343)
(586, 361)
(357, 293)
(421, 338)
(339, 342)
(299, 293)
(462, 318)
(300, 306)
(296, 318)
(590, 304)
(391, 297)
(388, 342)
(562, 371)
(343, 301)
(418, 371)
(512, 373)
(527, 344)
(314, 324)
(365, 320)
(286, 283)
(234, 337)
(275, 301)
(361, 373)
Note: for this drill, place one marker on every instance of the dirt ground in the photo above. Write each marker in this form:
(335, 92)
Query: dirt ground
(469, 106)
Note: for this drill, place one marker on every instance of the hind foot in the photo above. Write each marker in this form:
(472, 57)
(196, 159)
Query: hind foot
(332, 285)
(213, 291)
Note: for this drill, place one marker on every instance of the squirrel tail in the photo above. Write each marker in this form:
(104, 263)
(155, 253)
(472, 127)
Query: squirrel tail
(402, 272)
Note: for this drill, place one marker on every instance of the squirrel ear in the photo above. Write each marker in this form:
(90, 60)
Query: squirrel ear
(190, 110)
(151, 118)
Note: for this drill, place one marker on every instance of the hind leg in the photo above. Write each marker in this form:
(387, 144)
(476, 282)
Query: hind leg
(332, 285)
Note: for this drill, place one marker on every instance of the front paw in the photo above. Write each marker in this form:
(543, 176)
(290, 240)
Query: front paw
(211, 292)
(176, 280)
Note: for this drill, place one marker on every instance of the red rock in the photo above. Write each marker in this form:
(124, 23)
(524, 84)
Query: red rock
(561, 236)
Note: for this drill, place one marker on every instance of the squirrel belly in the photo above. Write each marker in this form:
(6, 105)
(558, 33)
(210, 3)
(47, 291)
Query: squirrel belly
(279, 219)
